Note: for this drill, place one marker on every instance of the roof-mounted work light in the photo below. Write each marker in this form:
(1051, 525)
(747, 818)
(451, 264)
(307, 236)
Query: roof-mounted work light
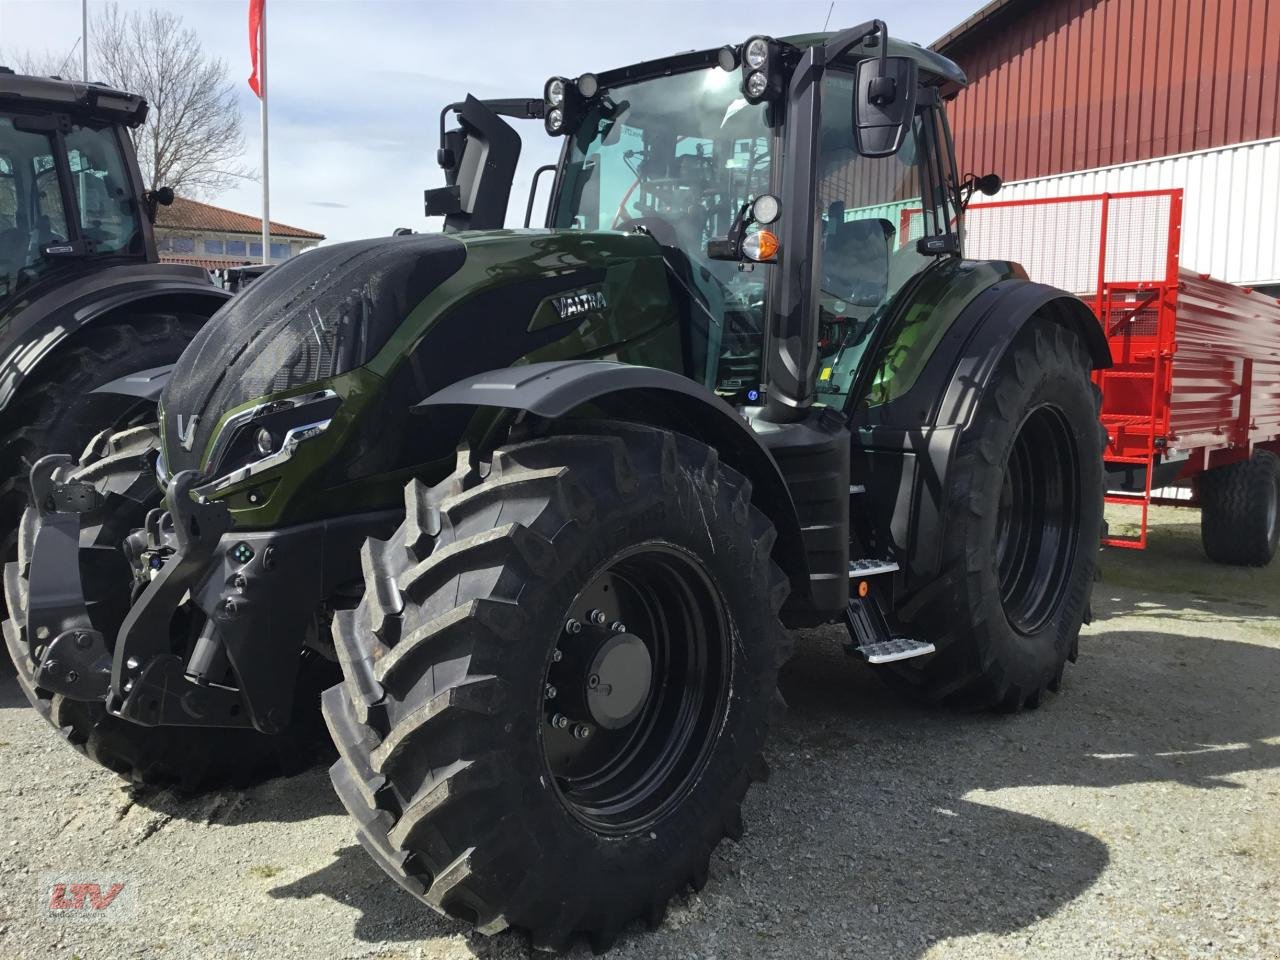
(761, 60)
(565, 102)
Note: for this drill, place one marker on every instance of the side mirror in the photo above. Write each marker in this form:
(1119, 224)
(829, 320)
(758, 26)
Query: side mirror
(884, 104)
(161, 197)
(989, 184)
(479, 160)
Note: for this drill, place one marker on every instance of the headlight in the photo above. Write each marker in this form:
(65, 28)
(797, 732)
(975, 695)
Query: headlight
(555, 92)
(757, 54)
(264, 441)
(265, 436)
(757, 84)
(555, 120)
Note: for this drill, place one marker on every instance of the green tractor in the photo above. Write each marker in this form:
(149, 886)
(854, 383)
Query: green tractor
(90, 320)
(544, 503)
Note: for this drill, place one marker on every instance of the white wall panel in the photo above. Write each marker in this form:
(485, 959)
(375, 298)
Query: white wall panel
(1230, 211)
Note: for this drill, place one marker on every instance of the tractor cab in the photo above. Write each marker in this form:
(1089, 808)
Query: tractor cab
(70, 197)
(796, 214)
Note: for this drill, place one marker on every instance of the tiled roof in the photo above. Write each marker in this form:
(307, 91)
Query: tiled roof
(206, 262)
(184, 214)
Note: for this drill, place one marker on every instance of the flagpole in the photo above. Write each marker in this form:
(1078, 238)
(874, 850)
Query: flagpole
(266, 178)
(84, 39)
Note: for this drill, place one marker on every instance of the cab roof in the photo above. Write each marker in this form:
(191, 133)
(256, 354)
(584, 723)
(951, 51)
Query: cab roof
(944, 71)
(44, 94)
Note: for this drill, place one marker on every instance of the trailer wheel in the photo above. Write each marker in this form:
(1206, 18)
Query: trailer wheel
(1022, 527)
(558, 683)
(1240, 511)
(189, 758)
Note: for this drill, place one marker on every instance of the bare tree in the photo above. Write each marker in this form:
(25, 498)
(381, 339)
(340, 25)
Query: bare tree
(43, 63)
(193, 140)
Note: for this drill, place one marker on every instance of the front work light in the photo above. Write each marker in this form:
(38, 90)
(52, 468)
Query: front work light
(565, 101)
(757, 53)
(761, 69)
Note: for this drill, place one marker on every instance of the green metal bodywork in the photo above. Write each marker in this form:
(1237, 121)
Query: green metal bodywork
(640, 325)
(916, 331)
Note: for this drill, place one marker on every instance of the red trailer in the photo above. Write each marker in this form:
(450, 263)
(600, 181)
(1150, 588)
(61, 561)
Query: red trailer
(1192, 404)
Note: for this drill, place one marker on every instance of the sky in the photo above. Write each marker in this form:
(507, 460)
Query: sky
(356, 86)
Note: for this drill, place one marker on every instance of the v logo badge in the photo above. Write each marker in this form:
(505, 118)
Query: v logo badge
(187, 433)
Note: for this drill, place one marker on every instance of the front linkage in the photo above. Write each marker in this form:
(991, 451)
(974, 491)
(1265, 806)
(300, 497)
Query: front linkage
(151, 609)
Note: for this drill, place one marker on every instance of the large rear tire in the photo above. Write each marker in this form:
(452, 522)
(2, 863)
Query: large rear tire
(189, 758)
(1240, 511)
(490, 771)
(1023, 522)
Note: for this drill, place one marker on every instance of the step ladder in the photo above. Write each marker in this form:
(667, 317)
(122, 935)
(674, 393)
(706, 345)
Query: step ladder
(869, 635)
(1137, 319)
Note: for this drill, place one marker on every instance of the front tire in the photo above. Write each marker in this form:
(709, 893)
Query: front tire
(189, 758)
(1023, 521)
(468, 786)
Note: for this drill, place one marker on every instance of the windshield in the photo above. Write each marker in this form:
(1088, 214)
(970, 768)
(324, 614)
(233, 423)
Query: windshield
(678, 156)
(32, 213)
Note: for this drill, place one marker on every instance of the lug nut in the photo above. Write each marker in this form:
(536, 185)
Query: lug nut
(557, 656)
(83, 641)
(72, 676)
(573, 627)
(52, 667)
(132, 663)
(619, 627)
(550, 692)
(593, 681)
(581, 731)
(598, 617)
(560, 721)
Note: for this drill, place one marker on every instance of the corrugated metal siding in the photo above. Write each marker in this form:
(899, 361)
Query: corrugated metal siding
(1077, 84)
(1231, 205)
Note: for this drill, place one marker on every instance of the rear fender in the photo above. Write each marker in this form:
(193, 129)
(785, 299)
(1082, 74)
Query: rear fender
(903, 449)
(655, 397)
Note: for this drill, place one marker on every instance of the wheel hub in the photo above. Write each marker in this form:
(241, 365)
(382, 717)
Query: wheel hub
(603, 676)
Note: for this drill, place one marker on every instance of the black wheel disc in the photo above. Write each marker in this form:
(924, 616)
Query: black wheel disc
(623, 747)
(1038, 523)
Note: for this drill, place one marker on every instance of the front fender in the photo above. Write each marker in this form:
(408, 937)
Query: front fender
(43, 323)
(655, 397)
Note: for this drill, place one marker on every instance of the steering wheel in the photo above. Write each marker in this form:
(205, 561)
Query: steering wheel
(621, 215)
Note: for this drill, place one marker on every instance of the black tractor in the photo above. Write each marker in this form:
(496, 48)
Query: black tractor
(90, 320)
(551, 499)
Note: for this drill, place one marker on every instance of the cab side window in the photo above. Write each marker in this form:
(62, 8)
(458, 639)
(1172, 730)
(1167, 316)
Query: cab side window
(871, 210)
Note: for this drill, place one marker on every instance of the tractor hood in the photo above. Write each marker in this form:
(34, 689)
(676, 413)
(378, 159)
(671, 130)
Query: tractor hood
(447, 303)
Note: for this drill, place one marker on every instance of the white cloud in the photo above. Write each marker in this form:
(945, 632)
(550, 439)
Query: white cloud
(356, 86)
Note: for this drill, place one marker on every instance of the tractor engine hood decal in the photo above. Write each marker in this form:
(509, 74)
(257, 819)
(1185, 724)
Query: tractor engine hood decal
(319, 315)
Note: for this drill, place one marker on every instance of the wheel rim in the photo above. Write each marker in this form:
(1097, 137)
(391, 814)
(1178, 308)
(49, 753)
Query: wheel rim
(623, 744)
(1037, 524)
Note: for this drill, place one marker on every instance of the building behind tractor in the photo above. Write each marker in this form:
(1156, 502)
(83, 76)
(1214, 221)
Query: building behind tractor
(550, 499)
(89, 318)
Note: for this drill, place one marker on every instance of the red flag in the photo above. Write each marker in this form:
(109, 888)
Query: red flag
(255, 44)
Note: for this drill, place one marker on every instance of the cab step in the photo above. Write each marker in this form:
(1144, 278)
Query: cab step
(870, 637)
(899, 648)
(870, 568)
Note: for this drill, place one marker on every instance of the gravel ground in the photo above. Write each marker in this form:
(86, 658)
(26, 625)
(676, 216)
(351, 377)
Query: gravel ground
(1133, 815)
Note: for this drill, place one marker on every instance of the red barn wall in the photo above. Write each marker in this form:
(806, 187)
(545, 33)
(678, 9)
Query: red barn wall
(1060, 85)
